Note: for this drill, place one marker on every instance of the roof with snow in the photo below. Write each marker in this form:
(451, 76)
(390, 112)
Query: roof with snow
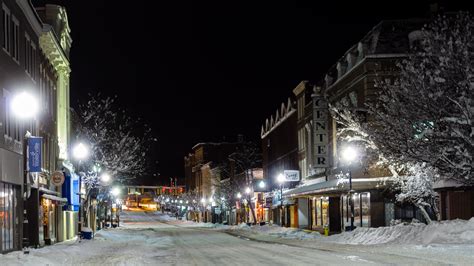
(281, 115)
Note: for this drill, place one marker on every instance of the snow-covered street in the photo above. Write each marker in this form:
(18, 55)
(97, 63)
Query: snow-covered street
(153, 238)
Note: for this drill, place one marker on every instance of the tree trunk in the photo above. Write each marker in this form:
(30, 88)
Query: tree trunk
(425, 214)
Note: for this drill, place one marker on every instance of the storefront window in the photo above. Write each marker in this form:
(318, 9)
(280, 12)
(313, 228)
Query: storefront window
(361, 210)
(357, 213)
(318, 212)
(7, 216)
(325, 211)
(313, 213)
(321, 212)
(365, 208)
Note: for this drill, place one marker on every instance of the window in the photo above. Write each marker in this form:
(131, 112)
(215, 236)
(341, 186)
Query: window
(6, 29)
(16, 40)
(8, 211)
(33, 61)
(361, 210)
(27, 53)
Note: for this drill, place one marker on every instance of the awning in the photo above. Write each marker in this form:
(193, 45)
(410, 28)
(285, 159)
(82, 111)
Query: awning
(51, 197)
(338, 186)
(47, 191)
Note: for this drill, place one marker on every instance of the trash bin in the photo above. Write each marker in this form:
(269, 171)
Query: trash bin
(86, 233)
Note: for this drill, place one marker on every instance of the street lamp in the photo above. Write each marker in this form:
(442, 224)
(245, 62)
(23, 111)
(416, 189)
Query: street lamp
(105, 177)
(25, 106)
(247, 190)
(349, 154)
(115, 191)
(281, 180)
(80, 152)
(261, 184)
(239, 195)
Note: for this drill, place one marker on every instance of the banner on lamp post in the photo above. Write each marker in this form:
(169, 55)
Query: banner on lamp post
(34, 154)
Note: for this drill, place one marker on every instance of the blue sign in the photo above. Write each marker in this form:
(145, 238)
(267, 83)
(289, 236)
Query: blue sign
(34, 154)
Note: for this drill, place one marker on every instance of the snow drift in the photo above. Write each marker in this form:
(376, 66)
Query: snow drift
(444, 232)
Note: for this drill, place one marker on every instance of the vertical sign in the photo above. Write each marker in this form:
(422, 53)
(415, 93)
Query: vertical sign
(321, 129)
(34, 154)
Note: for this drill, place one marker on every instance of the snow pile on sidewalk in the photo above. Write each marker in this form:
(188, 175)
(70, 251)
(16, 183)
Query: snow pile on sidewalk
(278, 231)
(444, 232)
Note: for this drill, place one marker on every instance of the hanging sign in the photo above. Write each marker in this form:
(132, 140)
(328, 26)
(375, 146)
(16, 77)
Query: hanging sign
(34, 154)
(57, 178)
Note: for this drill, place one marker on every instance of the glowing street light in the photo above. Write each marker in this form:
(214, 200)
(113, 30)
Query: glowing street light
(247, 190)
(105, 177)
(261, 184)
(281, 178)
(24, 105)
(80, 151)
(115, 191)
(349, 154)
(239, 195)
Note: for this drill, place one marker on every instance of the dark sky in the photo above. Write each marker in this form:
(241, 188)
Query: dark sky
(200, 71)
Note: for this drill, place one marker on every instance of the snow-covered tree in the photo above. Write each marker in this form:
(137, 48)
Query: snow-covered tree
(412, 182)
(425, 114)
(118, 142)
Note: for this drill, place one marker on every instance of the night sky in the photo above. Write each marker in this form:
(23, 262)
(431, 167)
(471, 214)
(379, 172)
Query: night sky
(204, 71)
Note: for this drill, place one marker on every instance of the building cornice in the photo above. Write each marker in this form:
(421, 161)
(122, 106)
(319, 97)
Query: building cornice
(53, 50)
(31, 15)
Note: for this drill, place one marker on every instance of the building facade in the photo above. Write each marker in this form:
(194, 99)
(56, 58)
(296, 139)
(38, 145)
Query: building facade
(323, 191)
(280, 154)
(27, 67)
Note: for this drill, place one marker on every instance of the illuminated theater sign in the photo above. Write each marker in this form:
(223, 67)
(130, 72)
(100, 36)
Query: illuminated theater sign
(321, 129)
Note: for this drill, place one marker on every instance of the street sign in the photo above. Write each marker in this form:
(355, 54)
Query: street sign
(57, 178)
(291, 175)
(34, 154)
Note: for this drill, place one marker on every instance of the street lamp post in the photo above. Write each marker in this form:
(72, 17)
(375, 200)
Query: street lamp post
(25, 106)
(80, 152)
(349, 154)
(281, 179)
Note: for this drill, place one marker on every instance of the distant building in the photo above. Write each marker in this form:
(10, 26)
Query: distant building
(198, 165)
(280, 154)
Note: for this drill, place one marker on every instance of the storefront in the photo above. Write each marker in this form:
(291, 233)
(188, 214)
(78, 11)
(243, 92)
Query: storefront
(10, 207)
(361, 210)
(329, 204)
(51, 213)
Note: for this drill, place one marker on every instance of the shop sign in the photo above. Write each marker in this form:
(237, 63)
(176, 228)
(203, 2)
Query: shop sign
(217, 210)
(320, 129)
(57, 178)
(291, 175)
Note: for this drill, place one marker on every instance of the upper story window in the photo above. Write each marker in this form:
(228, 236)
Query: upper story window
(15, 48)
(30, 57)
(27, 53)
(6, 17)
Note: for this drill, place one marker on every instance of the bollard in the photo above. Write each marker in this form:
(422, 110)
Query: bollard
(326, 230)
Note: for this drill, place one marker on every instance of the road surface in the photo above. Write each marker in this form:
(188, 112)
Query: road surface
(148, 238)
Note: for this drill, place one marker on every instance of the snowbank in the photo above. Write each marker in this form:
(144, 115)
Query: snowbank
(444, 232)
